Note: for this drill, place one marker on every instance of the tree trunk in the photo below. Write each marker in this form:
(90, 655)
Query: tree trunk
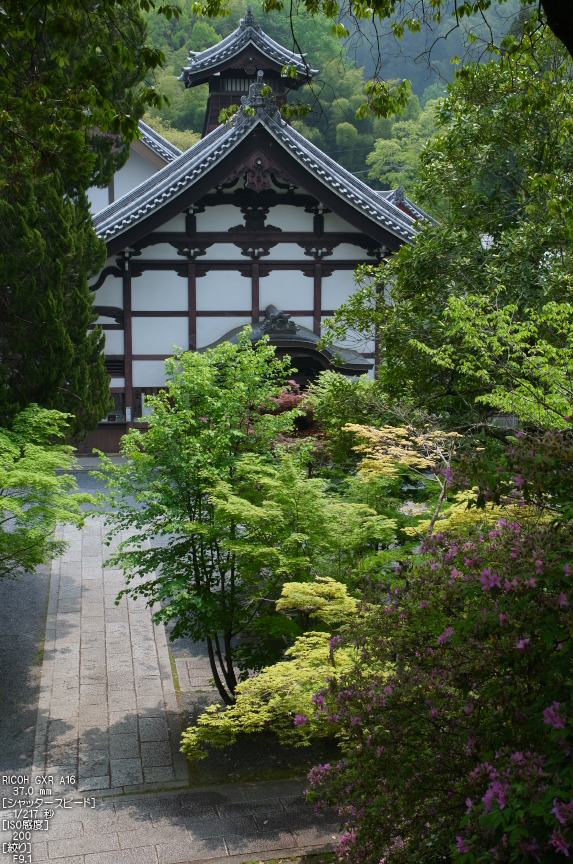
(228, 698)
(559, 15)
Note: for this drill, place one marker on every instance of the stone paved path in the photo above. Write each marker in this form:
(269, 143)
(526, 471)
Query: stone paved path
(107, 713)
(108, 716)
(231, 823)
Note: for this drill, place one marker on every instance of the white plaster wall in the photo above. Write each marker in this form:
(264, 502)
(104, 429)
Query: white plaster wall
(304, 321)
(219, 218)
(224, 252)
(336, 289)
(117, 382)
(135, 171)
(158, 335)
(110, 293)
(175, 224)
(286, 289)
(99, 198)
(332, 222)
(159, 252)
(286, 252)
(211, 329)
(220, 290)
(161, 290)
(113, 342)
(348, 252)
(290, 218)
(148, 373)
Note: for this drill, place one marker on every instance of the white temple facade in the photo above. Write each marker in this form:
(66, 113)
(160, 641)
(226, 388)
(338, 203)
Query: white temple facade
(253, 225)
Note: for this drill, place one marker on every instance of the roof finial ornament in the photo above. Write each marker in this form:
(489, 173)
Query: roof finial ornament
(257, 100)
(249, 19)
(399, 195)
(277, 322)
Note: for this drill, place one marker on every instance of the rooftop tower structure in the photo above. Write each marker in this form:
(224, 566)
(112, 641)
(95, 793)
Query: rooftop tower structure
(231, 67)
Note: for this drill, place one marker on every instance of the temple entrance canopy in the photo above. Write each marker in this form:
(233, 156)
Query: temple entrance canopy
(301, 345)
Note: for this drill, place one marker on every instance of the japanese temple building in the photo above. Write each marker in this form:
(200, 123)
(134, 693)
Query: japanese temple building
(253, 225)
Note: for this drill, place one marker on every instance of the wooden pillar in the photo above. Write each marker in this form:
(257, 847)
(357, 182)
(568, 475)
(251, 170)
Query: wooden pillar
(255, 291)
(317, 302)
(127, 341)
(192, 296)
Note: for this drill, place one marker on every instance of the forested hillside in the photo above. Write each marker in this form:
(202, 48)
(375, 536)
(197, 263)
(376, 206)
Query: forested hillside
(382, 151)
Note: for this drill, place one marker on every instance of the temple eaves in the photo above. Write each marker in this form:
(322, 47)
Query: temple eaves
(204, 64)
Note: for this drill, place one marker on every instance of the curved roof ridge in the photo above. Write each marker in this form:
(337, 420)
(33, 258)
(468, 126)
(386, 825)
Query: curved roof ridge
(183, 172)
(247, 32)
(345, 183)
(398, 196)
(158, 143)
(161, 186)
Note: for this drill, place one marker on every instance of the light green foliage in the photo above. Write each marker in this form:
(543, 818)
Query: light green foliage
(272, 700)
(34, 493)
(325, 599)
(290, 526)
(346, 136)
(216, 410)
(396, 156)
(526, 363)
(289, 529)
(336, 400)
(505, 199)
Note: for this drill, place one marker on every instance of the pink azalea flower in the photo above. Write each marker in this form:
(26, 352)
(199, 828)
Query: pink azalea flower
(523, 643)
(490, 580)
(447, 634)
(532, 849)
(560, 843)
(563, 601)
(553, 717)
(462, 848)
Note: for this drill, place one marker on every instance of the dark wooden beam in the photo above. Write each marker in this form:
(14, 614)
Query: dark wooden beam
(208, 238)
(160, 313)
(204, 265)
(267, 198)
(192, 303)
(317, 300)
(127, 339)
(255, 293)
(107, 271)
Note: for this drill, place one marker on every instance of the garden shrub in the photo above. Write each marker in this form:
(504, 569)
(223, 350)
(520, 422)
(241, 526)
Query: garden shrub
(456, 721)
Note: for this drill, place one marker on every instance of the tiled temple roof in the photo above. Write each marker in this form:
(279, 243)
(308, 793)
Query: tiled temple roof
(248, 32)
(398, 196)
(292, 335)
(158, 143)
(189, 167)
